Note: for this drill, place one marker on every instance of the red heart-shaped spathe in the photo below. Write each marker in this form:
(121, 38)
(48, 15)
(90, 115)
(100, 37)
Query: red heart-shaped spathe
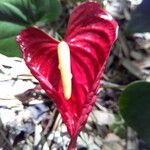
(90, 35)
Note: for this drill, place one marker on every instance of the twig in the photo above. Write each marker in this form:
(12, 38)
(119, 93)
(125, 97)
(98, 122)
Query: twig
(55, 124)
(48, 128)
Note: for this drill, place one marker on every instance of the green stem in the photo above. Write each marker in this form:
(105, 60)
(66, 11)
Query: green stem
(107, 85)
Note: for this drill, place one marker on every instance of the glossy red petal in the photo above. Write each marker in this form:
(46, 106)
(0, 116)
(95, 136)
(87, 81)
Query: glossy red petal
(90, 35)
(39, 53)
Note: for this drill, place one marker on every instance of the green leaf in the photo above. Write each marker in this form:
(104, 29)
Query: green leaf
(50, 8)
(15, 15)
(9, 12)
(9, 47)
(134, 104)
(8, 29)
(55, 8)
(29, 12)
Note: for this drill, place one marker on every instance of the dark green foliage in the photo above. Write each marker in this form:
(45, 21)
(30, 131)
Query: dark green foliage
(134, 104)
(9, 47)
(16, 15)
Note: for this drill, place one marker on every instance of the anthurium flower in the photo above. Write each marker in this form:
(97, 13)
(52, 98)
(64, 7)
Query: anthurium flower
(70, 70)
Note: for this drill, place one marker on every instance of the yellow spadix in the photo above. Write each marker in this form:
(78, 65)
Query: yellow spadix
(63, 52)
